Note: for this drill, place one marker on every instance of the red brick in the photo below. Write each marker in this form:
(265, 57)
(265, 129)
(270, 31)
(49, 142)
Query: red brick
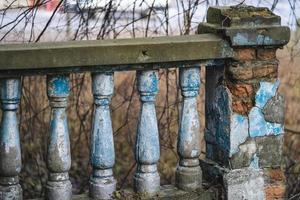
(274, 192)
(241, 90)
(244, 54)
(252, 70)
(268, 70)
(266, 54)
(276, 175)
(241, 106)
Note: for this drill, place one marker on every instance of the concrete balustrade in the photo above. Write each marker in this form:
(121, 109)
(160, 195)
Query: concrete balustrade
(243, 108)
(188, 173)
(147, 151)
(102, 182)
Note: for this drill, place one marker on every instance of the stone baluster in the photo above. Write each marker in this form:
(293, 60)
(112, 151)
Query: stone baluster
(58, 158)
(146, 178)
(10, 150)
(102, 182)
(188, 173)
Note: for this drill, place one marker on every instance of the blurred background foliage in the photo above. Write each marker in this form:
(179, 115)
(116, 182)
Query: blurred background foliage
(58, 20)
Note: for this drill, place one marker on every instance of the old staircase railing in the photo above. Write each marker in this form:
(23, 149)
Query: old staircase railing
(229, 46)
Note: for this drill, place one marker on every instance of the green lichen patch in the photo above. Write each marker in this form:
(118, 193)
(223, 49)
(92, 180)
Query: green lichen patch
(241, 16)
(247, 11)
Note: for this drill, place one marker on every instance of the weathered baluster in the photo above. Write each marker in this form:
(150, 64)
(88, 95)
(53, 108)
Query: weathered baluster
(146, 178)
(10, 150)
(102, 182)
(58, 158)
(188, 173)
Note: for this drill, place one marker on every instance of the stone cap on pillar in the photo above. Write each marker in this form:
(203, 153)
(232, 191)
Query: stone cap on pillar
(246, 26)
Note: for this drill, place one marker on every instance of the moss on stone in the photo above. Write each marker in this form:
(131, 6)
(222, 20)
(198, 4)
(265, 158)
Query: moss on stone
(247, 11)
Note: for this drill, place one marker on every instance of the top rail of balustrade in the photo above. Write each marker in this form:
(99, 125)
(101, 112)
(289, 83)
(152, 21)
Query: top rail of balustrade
(110, 55)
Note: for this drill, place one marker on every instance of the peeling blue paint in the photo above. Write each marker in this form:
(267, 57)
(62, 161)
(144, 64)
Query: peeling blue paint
(58, 85)
(188, 142)
(233, 129)
(254, 162)
(10, 148)
(222, 108)
(240, 39)
(147, 144)
(59, 157)
(248, 39)
(260, 127)
(58, 153)
(188, 137)
(264, 40)
(147, 150)
(103, 85)
(189, 81)
(9, 132)
(102, 155)
(266, 91)
(102, 143)
(154, 82)
(148, 84)
(102, 151)
(10, 92)
(238, 132)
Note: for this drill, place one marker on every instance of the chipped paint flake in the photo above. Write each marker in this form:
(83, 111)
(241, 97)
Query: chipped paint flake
(266, 91)
(250, 39)
(264, 40)
(58, 85)
(239, 132)
(240, 39)
(260, 127)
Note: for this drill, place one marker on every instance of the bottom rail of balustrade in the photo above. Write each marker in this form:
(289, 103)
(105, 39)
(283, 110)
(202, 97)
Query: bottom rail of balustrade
(166, 192)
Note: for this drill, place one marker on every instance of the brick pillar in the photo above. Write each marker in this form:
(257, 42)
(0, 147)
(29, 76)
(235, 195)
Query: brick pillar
(244, 111)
